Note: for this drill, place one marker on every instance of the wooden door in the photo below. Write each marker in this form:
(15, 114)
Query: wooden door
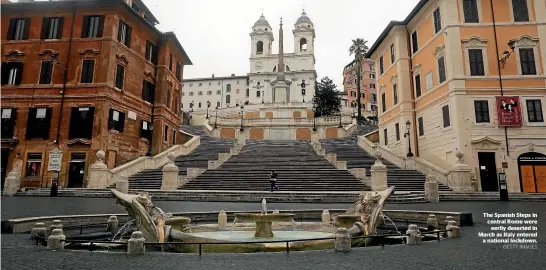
(540, 178)
(527, 178)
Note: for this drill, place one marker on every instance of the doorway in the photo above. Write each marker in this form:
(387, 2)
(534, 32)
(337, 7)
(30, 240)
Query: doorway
(4, 157)
(488, 171)
(76, 168)
(532, 172)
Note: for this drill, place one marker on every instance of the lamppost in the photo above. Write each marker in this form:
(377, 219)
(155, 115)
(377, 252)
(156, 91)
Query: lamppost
(407, 134)
(314, 112)
(208, 106)
(242, 110)
(216, 121)
(340, 125)
(303, 89)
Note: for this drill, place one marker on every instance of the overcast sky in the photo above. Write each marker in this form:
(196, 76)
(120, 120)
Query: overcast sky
(215, 33)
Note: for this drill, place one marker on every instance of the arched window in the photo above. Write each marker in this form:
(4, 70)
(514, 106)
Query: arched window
(228, 99)
(303, 45)
(228, 88)
(260, 47)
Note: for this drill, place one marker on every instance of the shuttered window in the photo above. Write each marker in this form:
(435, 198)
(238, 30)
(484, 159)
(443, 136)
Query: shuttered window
(527, 61)
(385, 135)
(148, 91)
(383, 102)
(146, 130)
(397, 129)
(179, 71)
(395, 94)
(476, 62)
(9, 116)
(81, 123)
(381, 65)
(481, 110)
(93, 26)
(116, 120)
(18, 29)
(441, 69)
(52, 28)
(124, 33)
(38, 123)
(421, 126)
(418, 85)
(45, 72)
(88, 69)
(534, 110)
(120, 74)
(151, 52)
(414, 42)
(521, 11)
(445, 116)
(437, 21)
(12, 73)
(470, 8)
(166, 134)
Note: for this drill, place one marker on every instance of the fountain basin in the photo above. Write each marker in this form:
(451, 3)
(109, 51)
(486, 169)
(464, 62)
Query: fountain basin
(178, 223)
(347, 221)
(264, 222)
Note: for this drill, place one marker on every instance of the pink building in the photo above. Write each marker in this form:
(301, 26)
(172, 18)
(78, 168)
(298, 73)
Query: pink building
(368, 96)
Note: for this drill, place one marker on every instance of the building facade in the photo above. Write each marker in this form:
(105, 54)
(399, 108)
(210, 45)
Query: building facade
(469, 77)
(256, 86)
(83, 76)
(368, 96)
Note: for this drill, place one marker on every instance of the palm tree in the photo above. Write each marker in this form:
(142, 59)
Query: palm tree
(358, 49)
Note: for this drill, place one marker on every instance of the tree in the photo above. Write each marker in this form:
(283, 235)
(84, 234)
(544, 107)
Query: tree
(359, 49)
(327, 100)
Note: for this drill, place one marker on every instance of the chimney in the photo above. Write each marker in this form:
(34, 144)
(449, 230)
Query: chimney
(213, 75)
(232, 75)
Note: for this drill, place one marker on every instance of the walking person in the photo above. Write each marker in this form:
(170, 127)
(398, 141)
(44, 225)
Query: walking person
(273, 181)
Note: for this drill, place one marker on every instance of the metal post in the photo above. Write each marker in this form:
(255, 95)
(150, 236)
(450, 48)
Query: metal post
(200, 249)
(287, 247)
(340, 125)
(216, 118)
(208, 106)
(314, 112)
(242, 111)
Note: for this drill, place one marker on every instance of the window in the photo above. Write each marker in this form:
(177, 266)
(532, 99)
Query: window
(470, 8)
(258, 93)
(521, 12)
(383, 102)
(52, 28)
(228, 88)
(146, 130)
(437, 21)
(441, 69)
(9, 115)
(217, 104)
(237, 91)
(120, 73)
(88, 68)
(200, 84)
(218, 83)
(151, 52)
(303, 45)
(135, 7)
(381, 65)
(534, 111)
(527, 61)
(92, 26)
(12, 72)
(385, 136)
(373, 97)
(476, 62)
(421, 126)
(210, 83)
(445, 116)
(81, 123)
(209, 93)
(148, 91)
(218, 92)
(45, 72)
(171, 62)
(228, 99)
(200, 93)
(372, 85)
(168, 97)
(395, 94)
(18, 28)
(178, 71)
(124, 33)
(372, 76)
(38, 123)
(247, 92)
(116, 120)
(199, 105)
(237, 82)
(174, 136)
(259, 47)
(417, 85)
(481, 109)
(414, 42)
(429, 83)
(34, 165)
(166, 134)
(392, 53)
(191, 93)
(397, 129)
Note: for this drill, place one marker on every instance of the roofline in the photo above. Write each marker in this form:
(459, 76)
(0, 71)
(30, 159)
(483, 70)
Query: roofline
(148, 11)
(172, 36)
(216, 78)
(392, 24)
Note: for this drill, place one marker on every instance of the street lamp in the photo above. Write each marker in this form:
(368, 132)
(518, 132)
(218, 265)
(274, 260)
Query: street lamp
(208, 106)
(340, 125)
(303, 89)
(216, 117)
(314, 111)
(242, 110)
(407, 134)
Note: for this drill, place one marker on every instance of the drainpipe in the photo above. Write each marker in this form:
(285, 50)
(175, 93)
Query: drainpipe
(150, 148)
(499, 67)
(413, 113)
(65, 76)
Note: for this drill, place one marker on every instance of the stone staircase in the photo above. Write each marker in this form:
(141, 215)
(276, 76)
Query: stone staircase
(298, 167)
(198, 158)
(347, 149)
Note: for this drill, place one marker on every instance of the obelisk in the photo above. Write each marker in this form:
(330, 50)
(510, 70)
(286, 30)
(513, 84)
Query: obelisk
(281, 88)
(281, 53)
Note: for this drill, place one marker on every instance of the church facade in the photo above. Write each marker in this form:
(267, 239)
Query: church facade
(266, 82)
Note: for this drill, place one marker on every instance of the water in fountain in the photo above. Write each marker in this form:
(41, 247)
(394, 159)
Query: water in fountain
(293, 225)
(123, 228)
(233, 224)
(264, 206)
(386, 217)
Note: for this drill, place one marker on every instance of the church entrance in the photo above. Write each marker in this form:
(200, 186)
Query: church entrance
(532, 172)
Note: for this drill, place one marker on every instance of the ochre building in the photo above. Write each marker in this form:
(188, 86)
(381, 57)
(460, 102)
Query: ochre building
(84, 76)
(468, 75)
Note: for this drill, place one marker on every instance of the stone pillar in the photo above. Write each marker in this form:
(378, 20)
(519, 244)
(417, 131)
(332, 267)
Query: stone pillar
(112, 225)
(432, 222)
(98, 172)
(39, 230)
(12, 183)
(135, 245)
(242, 138)
(459, 175)
(56, 240)
(453, 230)
(314, 137)
(431, 189)
(413, 235)
(55, 224)
(122, 184)
(379, 174)
(222, 219)
(170, 174)
(326, 218)
(342, 240)
(448, 219)
(341, 165)
(409, 163)
(332, 158)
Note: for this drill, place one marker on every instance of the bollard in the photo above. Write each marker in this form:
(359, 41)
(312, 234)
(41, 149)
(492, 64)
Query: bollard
(222, 219)
(453, 231)
(55, 224)
(56, 240)
(135, 245)
(39, 230)
(112, 225)
(326, 218)
(432, 222)
(413, 235)
(342, 240)
(448, 219)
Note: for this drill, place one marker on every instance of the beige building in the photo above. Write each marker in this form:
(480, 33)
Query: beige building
(469, 78)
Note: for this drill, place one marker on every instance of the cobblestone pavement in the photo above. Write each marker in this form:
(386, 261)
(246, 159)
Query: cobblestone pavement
(465, 253)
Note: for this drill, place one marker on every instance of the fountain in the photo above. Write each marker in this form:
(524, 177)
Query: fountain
(264, 220)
